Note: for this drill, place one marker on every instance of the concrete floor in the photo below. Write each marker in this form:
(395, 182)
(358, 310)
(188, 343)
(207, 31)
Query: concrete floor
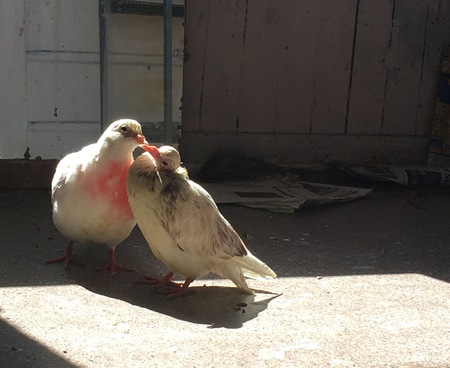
(364, 284)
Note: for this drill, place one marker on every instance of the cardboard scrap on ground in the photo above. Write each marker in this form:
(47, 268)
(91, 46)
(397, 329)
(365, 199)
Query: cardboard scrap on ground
(411, 176)
(274, 195)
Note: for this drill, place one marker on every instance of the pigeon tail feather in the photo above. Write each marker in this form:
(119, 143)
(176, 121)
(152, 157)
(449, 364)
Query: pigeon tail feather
(234, 274)
(238, 268)
(253, 268)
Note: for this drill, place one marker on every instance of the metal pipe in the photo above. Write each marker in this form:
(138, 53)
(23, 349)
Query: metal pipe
(103, 64)
(168, 71)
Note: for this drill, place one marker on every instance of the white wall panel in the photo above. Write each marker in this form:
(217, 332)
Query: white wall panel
(54, 140)
(12, 79)
(63, 87)
(62, 25)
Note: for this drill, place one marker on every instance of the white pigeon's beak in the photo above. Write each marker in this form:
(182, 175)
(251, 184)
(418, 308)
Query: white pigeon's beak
(154, 151)
(141, 139)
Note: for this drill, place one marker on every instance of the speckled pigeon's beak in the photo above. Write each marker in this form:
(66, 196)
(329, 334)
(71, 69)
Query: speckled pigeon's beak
(153, 150)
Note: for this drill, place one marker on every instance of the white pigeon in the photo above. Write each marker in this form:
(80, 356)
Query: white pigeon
(183, 226)
(89, 196)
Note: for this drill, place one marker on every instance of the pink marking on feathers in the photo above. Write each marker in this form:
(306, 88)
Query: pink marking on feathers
(110, 185)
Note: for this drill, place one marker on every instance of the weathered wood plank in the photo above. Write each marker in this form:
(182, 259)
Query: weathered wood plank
(196, 30)
(300, 148)
(332, 66)
(404, 65)
(291, 76)
(219, 110)
(365, 109)
(437, 35)
(299, 38)
(309, 91)
(262, 50)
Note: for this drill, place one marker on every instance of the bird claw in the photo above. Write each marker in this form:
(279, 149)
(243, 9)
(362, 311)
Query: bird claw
(66, 259)
(172, 292)
(113, 267)
(154, 281)
(166, 286)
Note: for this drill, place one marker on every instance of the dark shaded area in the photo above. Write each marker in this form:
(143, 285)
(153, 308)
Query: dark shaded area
(226, 165)
(27, 173)
(230, 165)
(213, 306)
(19, 350)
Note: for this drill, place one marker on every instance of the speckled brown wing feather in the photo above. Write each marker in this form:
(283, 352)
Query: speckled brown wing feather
(190, 215)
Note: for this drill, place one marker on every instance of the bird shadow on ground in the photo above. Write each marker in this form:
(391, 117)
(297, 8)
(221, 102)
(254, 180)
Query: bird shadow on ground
(214, 306)
(29, 239)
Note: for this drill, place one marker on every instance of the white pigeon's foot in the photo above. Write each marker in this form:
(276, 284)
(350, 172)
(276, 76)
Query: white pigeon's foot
(113, 266)
(68, 257)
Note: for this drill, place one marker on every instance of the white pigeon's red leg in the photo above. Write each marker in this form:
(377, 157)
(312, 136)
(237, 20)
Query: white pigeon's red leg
(167, 286)
(113, 266)
(67, 258)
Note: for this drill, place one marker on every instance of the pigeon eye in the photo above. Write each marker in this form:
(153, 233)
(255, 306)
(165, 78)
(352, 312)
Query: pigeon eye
(165, 163)
(123, 128)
